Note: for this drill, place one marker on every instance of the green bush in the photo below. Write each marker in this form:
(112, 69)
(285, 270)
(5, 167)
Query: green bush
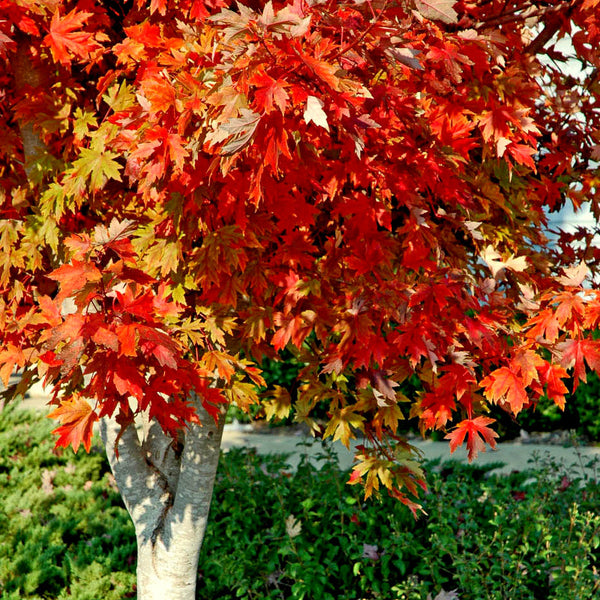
(305, 535)
(63, 530)
(585, 404)
(308, 535)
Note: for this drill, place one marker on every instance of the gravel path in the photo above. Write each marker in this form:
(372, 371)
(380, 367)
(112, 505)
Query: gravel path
(516, 456)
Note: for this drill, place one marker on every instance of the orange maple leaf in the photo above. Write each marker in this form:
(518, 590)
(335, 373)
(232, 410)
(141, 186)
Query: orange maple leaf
(504, 385)
(323, 70)
(106, 337)
(127, 335)
(527, 362)
(477, 433)
(73, 277)
(570, 307)
(158, 5)
(10, 356)
(545, 325)
(50, 311)
(592, 313)
(290, 329)
(77, 421)
(64, 37)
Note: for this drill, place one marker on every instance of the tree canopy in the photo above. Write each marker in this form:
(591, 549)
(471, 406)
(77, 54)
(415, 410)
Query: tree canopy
(363, 183)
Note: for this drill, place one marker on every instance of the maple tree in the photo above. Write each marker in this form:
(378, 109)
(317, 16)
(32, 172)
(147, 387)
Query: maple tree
(188, 187)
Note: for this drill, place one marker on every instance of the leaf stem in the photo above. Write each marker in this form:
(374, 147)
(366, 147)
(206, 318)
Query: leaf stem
(362, 36)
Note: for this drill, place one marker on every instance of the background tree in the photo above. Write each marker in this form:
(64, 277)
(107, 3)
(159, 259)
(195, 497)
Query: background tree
(363, 184)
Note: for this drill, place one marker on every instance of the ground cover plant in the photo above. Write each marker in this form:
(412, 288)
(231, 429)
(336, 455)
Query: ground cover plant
(64, 533)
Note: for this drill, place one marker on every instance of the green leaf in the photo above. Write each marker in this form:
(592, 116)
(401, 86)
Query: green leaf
(99, 166)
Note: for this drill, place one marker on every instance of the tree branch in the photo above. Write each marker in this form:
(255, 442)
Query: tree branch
(130, 468)
(543, 37)
(199, 462)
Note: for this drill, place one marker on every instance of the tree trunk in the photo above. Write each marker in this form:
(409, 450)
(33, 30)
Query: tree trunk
(167, 488)
(26, 75)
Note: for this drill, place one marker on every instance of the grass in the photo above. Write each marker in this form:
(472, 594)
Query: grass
(64, 533)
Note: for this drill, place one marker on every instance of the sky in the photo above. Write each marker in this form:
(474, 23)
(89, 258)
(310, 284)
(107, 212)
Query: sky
(567, 219)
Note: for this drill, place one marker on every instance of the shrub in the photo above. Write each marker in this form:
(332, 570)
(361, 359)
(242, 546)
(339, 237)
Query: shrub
(274, 534)
(307, 535)
(64, 531)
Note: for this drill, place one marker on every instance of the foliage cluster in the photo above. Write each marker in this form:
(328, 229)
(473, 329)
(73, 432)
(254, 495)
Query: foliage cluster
(303, 535)
(364, 184)
(581, 413)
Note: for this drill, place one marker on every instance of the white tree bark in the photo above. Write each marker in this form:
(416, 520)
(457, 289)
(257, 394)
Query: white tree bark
(167, 488)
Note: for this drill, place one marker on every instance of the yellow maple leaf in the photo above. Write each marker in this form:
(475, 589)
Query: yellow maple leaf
(341, 423)
(278, 404)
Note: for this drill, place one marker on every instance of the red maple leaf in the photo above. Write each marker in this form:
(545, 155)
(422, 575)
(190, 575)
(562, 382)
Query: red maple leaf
(127, 379)
(269, 93)
(522, 154)
(477, 433)
(77, 421)
(141, 306)
(437, 408)
(575, 352)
